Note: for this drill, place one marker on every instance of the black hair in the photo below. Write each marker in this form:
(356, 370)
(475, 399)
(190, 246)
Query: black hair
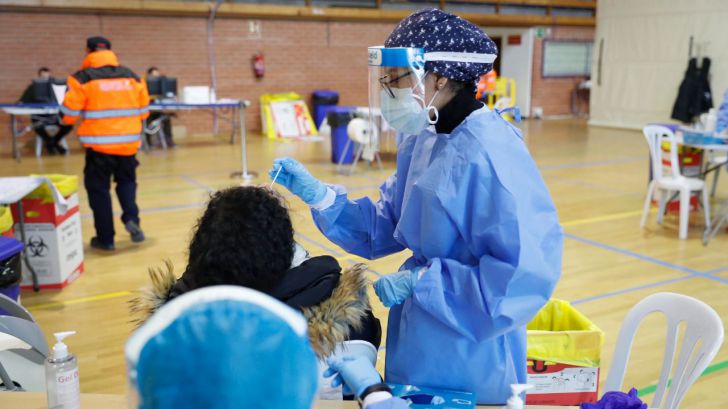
(43, 69)
(152, 68)
(245, 237)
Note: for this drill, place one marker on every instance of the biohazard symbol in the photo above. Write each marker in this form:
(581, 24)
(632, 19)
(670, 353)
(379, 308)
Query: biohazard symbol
(37, 247)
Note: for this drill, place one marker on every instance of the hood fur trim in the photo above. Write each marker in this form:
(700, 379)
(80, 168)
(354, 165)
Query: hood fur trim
(329, 323)
(152, 296)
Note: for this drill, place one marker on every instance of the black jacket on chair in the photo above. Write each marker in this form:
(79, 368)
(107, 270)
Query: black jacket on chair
(694, 95)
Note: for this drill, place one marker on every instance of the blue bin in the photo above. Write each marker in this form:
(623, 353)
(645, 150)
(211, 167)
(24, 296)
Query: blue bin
(10, 252)
(323, 102)
(338, 118)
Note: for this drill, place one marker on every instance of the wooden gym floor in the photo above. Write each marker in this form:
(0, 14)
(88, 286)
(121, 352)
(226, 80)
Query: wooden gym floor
(597, 178)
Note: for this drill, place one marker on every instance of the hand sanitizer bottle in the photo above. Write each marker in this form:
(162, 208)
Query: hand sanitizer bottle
(515, 401)
(62, 376)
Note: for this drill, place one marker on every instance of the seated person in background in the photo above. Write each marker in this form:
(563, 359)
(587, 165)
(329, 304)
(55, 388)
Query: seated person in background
(154, 115)
(41, 122)
(232, 347)
(245, 238)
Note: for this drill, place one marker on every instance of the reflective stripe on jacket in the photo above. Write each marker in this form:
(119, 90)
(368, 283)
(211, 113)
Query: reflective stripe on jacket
(111, 101)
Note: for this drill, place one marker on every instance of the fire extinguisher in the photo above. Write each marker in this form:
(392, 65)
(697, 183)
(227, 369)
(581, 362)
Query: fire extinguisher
(258, 65)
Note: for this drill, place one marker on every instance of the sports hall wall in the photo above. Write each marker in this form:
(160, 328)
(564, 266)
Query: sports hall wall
(300, 56)
(645, 54)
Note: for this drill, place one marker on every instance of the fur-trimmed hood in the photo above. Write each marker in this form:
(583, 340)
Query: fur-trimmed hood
(330, 322)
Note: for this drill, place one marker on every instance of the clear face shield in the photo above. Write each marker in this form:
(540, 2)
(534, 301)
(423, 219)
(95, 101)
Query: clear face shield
(397, 88)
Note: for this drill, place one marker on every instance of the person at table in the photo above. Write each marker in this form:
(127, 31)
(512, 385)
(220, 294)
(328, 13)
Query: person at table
(234, 347)
(112, 102)
(153, 72)
(43, 123)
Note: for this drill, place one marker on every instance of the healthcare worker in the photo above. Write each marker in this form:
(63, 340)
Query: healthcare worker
(466, 199)
(234, 347)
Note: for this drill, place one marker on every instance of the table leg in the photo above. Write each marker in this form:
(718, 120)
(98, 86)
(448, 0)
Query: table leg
(14, 134)
(245, 174)
(21, 226)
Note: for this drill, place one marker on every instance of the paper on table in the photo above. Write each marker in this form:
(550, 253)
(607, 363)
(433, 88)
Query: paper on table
(60, 92)
(12, 189)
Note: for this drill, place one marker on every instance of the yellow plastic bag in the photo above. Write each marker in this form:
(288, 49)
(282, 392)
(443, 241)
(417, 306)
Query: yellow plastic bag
(561, 334)
(66, 184)
(6, 219)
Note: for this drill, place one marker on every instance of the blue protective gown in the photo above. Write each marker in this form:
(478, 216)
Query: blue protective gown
(472, 207)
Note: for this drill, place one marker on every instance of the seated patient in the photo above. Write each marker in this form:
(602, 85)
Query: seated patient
(245, 238)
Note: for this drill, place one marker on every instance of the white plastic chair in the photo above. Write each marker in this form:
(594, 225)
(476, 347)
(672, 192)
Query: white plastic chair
(675, 182)
(53, 130)
(702, 324)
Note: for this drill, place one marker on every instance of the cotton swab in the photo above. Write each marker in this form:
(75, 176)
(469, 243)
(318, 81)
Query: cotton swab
(276, 177)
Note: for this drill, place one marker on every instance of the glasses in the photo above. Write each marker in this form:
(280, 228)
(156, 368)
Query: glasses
(386, 82)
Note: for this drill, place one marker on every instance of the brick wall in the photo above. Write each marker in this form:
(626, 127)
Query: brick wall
(300, 56)
(554, 94)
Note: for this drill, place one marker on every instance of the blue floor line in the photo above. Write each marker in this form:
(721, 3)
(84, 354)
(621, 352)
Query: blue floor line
(717, 270)
(630, 290)
(331, 251)
(196, 183)
(594, 164)
(648, 259)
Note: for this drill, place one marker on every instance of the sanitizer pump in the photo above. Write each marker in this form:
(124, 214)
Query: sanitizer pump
(515, 401)
(61, 370)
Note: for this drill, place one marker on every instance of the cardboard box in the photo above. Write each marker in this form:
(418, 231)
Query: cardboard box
(561, 384)
(563, 352)
(53, 241)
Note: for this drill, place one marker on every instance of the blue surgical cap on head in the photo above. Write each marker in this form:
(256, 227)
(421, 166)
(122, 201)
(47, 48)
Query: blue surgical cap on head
(217, 351)
(438, 31)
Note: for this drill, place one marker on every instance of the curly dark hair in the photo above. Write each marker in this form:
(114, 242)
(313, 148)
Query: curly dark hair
(245, 238)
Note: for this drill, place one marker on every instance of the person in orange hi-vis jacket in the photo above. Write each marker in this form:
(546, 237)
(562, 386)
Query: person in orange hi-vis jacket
(486, 85)
(112, 103)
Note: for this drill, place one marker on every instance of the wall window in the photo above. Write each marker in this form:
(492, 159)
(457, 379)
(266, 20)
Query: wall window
(566, 58)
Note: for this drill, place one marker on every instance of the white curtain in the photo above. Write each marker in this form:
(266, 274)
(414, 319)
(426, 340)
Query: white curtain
(644, 55)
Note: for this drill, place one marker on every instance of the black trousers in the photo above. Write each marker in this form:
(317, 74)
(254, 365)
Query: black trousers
(166, 127)
(39, 124)
(97, 174)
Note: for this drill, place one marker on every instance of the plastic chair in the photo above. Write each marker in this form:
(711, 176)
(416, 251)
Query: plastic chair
(702, 324)
(52, 129)
(675, 182)
(23, 349)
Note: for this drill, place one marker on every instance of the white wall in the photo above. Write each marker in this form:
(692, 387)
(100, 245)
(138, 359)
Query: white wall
(517, 62)
(645, 55)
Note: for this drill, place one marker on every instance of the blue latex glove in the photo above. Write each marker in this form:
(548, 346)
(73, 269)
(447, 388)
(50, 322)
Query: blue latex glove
(394, 288)
(356, 371)
(296, 178)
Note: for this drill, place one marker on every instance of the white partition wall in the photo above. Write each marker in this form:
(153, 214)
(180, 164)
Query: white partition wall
(517, 61)
(644, 54)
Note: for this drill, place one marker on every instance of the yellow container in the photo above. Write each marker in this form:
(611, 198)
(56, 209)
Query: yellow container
(6, 219)
(561, 334)
(66, 185)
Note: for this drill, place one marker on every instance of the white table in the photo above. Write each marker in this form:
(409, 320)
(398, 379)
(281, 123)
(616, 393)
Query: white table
(15, 110)
(13, 190)
(721, 216)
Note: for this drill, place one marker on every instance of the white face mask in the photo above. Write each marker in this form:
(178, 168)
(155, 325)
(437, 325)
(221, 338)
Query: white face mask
(406, 111)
